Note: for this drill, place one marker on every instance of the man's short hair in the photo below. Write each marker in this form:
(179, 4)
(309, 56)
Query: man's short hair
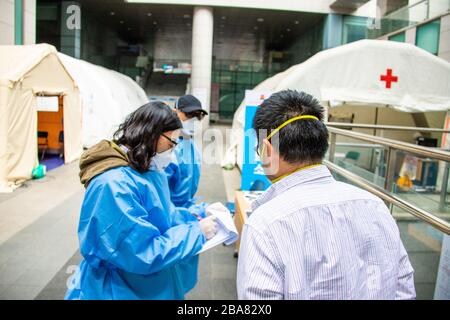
(303, 140)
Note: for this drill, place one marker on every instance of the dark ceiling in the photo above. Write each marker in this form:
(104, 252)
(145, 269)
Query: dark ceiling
(136, 23)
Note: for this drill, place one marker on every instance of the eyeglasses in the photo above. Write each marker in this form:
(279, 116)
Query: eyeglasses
(196, 114)
(257, 150)
(174, 143)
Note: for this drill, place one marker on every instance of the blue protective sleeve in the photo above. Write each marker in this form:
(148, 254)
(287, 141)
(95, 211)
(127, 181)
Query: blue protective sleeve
(115, 227)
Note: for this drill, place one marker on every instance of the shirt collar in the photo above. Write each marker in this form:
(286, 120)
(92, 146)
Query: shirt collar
(292, 180)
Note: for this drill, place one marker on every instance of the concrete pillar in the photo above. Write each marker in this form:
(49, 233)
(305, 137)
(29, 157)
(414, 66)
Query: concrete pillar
(7, 22)
(29, 21)
(410, 36)
(444, 45)
(71, 28)
(332, 31)
(17, 22)
(202, 45)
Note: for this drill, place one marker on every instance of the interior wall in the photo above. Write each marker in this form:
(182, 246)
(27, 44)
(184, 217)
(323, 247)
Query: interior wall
(386, 116)
(172, 44)
(6, 22)
(436, 120)
(243, 47)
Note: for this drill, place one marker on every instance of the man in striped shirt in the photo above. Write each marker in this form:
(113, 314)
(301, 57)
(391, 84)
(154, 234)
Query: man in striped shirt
(310, 236)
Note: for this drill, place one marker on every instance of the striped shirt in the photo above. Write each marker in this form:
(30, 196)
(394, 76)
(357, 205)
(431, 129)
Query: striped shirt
(312, 237)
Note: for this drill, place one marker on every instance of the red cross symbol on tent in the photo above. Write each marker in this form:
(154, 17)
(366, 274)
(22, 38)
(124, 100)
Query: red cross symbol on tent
(389, 78)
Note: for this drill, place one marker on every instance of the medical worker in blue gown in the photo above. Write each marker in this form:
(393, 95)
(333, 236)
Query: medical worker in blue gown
(183, 173)
(132, 238)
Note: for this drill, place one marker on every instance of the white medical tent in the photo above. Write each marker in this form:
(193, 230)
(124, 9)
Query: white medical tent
(107, 97)
(95, 100)
(396, 78)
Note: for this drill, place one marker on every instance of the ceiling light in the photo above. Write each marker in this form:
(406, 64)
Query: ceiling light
(260, 19)
(155, 23)
(296, 22)
(121, 21)
(112, 13)
(149, 14)
(223, 17)
(288, 30)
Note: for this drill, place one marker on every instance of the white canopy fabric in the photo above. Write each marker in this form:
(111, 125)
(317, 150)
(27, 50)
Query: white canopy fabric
(375, 73)
(107, 97)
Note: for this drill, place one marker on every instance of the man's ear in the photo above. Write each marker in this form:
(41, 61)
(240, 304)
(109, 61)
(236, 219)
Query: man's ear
(268, 148)
(179, 113)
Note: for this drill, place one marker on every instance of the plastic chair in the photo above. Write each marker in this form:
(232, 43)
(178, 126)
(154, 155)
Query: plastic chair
(42, 142)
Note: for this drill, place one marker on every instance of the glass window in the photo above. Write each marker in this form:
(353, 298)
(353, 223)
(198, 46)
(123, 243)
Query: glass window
(354, 28)
(427, 36)
(243, 77)
(258, 77)
(227, 77)
(399, 37)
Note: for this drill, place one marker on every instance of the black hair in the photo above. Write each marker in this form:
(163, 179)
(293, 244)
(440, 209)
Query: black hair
(303, 140)
(141, 130)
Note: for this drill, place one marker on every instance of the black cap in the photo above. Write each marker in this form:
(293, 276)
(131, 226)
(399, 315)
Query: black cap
(188, 103)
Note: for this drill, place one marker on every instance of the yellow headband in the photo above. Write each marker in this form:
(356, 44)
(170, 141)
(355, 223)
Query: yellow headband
(285, 124)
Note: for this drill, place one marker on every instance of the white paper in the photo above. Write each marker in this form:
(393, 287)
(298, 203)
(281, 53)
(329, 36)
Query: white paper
(227, 232)
(46, 103)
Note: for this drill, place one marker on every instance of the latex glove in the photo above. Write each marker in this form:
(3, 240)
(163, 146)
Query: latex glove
(198, 210)
(209, 227)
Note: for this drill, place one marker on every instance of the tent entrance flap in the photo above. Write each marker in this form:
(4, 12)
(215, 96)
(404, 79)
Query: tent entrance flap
(50, 130)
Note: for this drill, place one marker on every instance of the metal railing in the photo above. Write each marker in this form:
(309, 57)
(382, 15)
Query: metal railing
(392, 146)
(385, 127)
(423, 215)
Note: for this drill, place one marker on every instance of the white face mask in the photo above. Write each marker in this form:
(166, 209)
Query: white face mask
(163, 159)
(190, 124)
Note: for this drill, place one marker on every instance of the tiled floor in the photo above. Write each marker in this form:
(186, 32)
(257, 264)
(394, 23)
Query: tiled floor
(41, 236)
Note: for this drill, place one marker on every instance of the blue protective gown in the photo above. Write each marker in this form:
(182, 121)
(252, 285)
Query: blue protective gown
(184, 175)
(133, 240)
